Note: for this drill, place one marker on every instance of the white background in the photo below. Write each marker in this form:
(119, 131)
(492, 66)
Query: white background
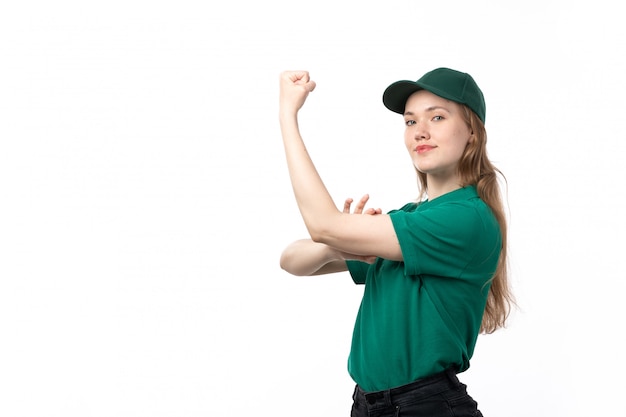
(145, 201)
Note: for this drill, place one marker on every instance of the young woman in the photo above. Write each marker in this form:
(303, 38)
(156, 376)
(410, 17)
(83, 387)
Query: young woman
(434, 270)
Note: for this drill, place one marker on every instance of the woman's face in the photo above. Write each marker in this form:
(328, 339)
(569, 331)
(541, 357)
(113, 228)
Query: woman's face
(436, 134)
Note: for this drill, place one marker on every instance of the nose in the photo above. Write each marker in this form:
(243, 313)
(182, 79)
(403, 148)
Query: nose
(420, 132)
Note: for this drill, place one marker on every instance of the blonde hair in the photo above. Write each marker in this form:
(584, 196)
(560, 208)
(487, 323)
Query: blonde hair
(475, 168)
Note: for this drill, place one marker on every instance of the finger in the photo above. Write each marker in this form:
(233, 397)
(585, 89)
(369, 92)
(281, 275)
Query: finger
(306, 83)
(346, 205)
(361, 204)
(302, 78)
(296, 76)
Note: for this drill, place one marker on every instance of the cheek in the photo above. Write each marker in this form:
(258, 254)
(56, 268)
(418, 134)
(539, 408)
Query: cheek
(408, 142)
(462, 138)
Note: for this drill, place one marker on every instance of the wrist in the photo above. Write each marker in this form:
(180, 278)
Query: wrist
(287, 115)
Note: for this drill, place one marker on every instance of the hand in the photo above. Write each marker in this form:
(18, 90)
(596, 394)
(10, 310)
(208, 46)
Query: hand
(295, 87)
(359, 210)
(360, 206)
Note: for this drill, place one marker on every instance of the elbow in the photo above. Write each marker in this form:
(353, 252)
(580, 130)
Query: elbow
(323, 227)
(316, 237)
(287, 263)
(284, 262)
(318, 234)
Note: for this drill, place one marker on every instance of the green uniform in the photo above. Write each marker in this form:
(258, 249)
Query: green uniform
(421, 316)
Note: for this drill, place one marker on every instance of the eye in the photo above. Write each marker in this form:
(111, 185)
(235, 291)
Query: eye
(409, 122)
(437, 118)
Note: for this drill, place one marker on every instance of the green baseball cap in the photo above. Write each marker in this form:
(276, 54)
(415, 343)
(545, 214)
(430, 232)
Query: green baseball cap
(444, 82)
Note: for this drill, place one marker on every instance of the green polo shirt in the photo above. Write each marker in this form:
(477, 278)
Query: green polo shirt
(423, 315)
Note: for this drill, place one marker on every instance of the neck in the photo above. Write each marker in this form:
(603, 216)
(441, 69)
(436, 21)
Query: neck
(438, 187)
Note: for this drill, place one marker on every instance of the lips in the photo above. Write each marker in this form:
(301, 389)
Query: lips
(423, 148)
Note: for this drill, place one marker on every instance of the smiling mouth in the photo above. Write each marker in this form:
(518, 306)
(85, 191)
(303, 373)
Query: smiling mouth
(423, 148)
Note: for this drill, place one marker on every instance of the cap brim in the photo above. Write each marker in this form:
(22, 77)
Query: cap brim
(396, 95)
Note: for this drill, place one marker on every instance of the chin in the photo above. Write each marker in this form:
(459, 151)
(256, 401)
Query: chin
(423, 169)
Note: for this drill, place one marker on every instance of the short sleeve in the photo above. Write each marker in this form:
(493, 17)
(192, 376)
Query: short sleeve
(450, 239)
(358, 271)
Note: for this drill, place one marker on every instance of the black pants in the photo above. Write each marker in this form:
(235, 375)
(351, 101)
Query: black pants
(440, 395)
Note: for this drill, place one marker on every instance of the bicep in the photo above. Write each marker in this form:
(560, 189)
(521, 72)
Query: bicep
(362, 234)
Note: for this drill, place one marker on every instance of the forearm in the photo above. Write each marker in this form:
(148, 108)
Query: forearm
(315, 203)
(305, 257)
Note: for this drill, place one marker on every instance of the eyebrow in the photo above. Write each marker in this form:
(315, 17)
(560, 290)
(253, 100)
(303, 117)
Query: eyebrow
(428, 109)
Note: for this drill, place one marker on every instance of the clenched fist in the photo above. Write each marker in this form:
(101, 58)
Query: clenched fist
(295, 86)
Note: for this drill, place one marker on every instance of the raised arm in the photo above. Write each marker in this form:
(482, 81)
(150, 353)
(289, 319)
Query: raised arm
(350, 233)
